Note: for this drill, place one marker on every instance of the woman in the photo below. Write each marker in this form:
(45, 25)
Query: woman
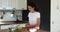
(34, 16)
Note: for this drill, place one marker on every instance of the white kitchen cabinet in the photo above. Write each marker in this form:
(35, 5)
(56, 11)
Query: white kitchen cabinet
(5, 4)
(21, 4)
(0, 4)
(10, 4)
(55, 15)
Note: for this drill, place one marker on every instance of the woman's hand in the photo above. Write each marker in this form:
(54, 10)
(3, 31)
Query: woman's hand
(27, 24)
(31, 26)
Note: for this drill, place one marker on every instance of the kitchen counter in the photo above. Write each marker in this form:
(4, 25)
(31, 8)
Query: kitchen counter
(25, 30)
(11, 22)
(22, 30)
(16, 22)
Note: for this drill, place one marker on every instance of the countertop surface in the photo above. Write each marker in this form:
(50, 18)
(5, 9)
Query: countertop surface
(16, 22)
(22, 30)
(11, 22)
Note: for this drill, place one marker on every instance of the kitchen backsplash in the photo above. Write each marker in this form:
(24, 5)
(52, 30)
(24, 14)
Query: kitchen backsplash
(10, 16)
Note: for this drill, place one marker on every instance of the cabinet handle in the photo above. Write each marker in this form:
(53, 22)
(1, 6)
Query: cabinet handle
(59, 31)
(57, 7)
(52, 22)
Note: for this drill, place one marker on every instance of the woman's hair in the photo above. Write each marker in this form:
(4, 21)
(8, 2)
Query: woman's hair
(33, 5)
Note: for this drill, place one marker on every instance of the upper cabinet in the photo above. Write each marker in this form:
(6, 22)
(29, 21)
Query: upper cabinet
(10, 4)
(0, 4)
(22, 4)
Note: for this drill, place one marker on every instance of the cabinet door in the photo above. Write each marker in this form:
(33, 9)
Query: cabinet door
(10, 4)
(19, 4)
(55, 16)
(13, 4)
(0, 4)
(6, 4)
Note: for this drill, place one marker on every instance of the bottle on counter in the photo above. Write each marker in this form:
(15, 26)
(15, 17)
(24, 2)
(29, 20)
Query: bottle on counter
(17, 18)
(10, 30)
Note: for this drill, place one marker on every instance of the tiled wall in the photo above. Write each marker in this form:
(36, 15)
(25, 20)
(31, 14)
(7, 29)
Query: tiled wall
(9, 17)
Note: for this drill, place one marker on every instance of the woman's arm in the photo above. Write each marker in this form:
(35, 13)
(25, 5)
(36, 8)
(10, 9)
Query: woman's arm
(38, 19)
(38, 22)
(28, 25)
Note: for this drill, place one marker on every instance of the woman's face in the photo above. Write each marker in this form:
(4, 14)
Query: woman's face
(31, 9)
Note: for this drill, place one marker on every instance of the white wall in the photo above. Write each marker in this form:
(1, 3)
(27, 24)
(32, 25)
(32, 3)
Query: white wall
(55, 15)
